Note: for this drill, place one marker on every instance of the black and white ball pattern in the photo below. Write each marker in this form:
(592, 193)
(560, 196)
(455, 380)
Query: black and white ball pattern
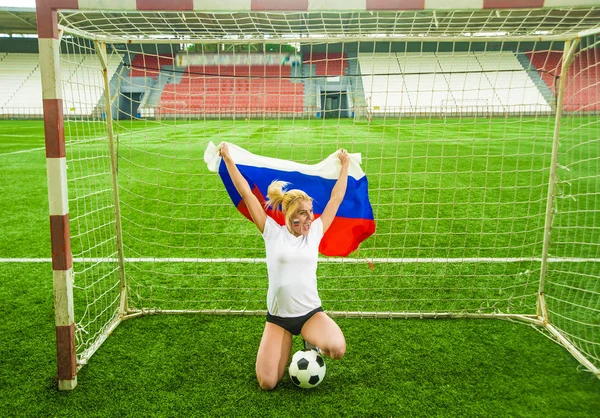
(307, 369)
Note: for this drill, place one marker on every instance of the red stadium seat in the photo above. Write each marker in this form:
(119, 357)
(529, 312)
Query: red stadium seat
(581, 93)
(233, 89)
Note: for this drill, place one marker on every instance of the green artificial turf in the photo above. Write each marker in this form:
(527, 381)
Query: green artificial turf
(198, 365)
(450, 188)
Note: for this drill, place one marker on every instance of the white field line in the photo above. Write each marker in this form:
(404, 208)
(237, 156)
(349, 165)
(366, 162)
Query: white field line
(322, 260)
(93, 139)
(22, 151)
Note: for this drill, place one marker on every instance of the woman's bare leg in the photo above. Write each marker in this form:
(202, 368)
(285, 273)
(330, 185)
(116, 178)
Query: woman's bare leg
(322, 331)
(273, 355)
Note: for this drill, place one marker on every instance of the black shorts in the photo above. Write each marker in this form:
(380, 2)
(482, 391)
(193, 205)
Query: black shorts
(294, 324)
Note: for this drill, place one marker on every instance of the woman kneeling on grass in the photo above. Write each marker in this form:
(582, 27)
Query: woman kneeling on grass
(292, 250)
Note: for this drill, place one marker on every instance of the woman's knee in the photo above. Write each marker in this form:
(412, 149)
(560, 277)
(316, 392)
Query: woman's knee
(336, 350)
(267, 381)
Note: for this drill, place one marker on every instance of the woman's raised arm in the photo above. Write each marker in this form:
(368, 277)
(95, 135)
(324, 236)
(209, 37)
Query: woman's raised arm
(259, 217)
(337, 193)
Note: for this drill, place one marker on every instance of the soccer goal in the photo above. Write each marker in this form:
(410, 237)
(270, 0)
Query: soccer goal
(479, 131)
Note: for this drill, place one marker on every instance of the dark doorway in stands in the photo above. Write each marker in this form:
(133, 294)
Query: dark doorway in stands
(128, 106)
(334, 105)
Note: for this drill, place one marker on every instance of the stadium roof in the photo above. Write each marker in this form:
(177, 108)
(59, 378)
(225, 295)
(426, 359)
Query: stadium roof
(17, 20)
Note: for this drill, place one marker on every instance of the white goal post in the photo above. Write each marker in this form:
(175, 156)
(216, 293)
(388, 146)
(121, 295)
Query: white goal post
(479, 130)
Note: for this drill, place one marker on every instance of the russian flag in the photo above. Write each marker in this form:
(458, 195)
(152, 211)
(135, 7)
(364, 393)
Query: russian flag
(354, 221)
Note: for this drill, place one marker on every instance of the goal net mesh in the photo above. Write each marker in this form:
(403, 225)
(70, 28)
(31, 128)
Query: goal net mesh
(454, 115)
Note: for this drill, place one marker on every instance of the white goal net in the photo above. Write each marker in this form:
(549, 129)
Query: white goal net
(479, 134)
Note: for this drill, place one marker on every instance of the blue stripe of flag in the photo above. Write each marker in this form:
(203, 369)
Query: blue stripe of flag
(355, 204)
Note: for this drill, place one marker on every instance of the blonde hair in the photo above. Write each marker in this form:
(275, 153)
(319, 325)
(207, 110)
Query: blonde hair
(287, 199)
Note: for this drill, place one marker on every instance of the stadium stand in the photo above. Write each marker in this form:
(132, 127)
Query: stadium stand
(21, 87)
(473, 82)
(84, 87)
(144, 65)
(328, 64)
(583, 76)
(383, 85)
(19, 73)
(511, 84)
(403, 83)
(233, 90)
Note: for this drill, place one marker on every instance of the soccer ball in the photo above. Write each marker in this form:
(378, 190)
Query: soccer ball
(307, 368)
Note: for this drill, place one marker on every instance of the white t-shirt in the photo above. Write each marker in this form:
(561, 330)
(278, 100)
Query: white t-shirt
(292, 269)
